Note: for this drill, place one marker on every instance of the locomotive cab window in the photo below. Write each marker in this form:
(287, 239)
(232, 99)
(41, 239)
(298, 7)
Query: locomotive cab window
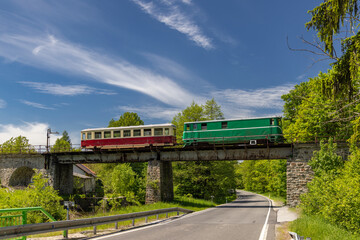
(137, 133)
(97, 135)
(147, 132)
(194, 126)
(117, 134)
(83, 136)
(224, 124)
(127, 133)
(203, 126)
(88, 135)
(272, 122)
(187, 127)
(166, 132)
(107, 134)
(158, 131)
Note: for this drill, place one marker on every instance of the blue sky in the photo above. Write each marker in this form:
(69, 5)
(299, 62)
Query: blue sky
(70, 65)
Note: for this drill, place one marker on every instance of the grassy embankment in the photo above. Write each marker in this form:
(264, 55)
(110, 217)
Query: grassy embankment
(183, 202)
(319, 229)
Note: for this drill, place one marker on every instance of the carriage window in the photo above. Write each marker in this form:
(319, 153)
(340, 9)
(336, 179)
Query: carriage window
(97, 135)
(117, 134)
(127, 133)
(272, 121)
(147, 132)
(137, 132)
(83, 136)
(166, 133)
(203, 126)
(187, 127)
(194, 126)
(88, 135)
(224, 125)
(158, 131)
(107, 134)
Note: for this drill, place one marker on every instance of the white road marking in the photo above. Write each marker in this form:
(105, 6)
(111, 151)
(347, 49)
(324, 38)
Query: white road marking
(266, 225)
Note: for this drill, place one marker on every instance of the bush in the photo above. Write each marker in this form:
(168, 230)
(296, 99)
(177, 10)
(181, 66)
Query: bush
(36, 195)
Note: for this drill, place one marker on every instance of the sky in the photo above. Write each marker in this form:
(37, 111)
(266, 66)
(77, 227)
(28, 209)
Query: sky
(72, 65)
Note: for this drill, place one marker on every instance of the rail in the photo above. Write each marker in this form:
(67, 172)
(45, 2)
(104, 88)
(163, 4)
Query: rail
(31, 229)
(19, 219)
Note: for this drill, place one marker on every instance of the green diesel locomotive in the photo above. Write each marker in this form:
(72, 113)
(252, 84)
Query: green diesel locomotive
(250, 131)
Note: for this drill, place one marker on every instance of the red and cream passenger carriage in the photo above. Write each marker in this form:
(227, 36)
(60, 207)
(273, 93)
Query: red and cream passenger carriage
(129, 137)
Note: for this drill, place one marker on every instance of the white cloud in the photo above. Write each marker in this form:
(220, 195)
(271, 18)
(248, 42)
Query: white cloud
(251, 103)
(2, 103)
(69, 90)
(52, 53)
(36, 105)
(174, 18)
(35, 132)
(152, 112)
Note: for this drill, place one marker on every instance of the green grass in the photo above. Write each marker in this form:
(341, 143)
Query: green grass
(319, 229)
(183, 202)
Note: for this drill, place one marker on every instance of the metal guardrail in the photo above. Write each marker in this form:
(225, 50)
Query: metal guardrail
(19, 219)
(295, 236)
(31, 229)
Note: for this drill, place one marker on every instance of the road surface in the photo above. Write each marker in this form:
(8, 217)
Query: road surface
(247, 218)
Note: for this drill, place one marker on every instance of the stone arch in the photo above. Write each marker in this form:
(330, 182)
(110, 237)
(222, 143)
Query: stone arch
(21, 177)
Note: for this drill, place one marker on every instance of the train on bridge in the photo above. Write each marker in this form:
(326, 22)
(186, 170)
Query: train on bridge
(251, 131)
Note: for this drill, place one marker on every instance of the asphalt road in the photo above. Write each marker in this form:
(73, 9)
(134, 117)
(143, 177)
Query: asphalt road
(243, 219)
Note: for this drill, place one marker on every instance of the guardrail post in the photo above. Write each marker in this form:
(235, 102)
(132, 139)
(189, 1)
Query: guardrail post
(146, 219)
(157, 216)
(167, 215)
(178, 213)
(94, 230)
(116, 225)
(24, 217)
(133, 222)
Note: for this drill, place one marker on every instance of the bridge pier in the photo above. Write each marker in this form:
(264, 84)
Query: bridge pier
(61, 177)
(159, 186)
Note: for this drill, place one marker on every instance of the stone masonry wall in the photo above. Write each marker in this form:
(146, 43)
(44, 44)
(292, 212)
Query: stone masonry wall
(298, 174)
(159, 186)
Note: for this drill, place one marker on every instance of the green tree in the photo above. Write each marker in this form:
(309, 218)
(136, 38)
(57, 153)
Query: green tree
(212, 110)
(18, 144)
(194, 112)
(264, 176)
(62, 144)
(202, 179)
(126, 119)
(331, 19)
(131, 177)
(326, 159)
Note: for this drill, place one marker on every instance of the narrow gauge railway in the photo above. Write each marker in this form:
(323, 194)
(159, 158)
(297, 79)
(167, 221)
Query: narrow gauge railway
(229, 132)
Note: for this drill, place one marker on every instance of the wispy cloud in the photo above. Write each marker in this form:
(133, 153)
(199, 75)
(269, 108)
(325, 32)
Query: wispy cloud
(69, 90)
(170, 13)
(2, 103)
(152, 112)
(52, 53)
(251, 103)
(36, 105)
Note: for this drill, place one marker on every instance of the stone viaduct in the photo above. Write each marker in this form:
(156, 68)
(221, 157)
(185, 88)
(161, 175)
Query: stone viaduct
(17, 169)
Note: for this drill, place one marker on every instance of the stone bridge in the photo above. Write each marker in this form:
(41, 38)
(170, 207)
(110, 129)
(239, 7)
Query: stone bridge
(17, 169)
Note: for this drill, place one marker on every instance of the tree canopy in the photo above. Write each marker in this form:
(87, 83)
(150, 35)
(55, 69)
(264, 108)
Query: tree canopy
(126, 119)
(18, 144)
